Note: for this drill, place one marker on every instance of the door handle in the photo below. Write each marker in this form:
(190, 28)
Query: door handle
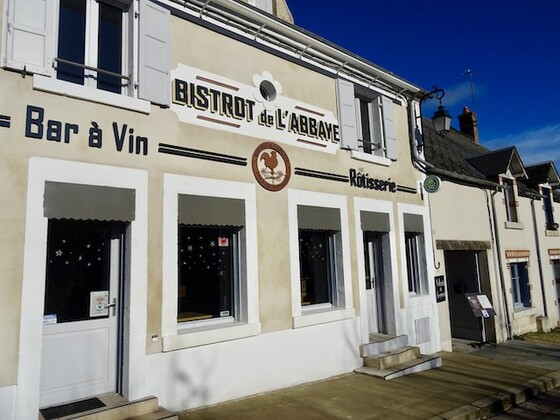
(113, 305)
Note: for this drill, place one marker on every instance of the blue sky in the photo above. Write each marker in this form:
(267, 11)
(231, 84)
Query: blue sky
(512, 48)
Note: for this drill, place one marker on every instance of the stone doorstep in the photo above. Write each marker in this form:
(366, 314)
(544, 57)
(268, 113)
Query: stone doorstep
(421, 363)
(379, 343)
(391, 358)
(503, 400)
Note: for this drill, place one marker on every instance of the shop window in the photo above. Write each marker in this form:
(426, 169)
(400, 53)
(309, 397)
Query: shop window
(211, 259)
(548, 210)
(510, 200)
(92, 47)
(208, 272)
(415, 251)
(367, 121)
(320, 255)
(520, 285)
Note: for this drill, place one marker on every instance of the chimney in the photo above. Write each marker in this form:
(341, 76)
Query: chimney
(468, 124)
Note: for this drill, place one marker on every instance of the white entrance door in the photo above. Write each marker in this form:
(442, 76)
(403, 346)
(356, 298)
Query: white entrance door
(375, 280)
(79, 353)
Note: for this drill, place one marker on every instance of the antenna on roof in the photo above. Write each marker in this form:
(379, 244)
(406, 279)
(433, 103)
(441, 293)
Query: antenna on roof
(468, 72)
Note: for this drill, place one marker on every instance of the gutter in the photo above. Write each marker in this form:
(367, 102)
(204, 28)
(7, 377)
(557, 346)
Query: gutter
(539, 260)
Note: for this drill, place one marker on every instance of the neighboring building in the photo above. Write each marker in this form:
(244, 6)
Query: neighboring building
(200, 202)
(495, 234)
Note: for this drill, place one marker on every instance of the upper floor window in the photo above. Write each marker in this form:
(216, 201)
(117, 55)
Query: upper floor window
(548, 210)
(509, 199)
(367, 121)
(80, 45)
(90, 44)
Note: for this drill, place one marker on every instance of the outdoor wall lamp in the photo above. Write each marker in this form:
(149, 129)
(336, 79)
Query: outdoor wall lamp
(441, 118)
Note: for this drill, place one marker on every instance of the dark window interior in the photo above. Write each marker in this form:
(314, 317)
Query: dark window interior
(315, 266)
(72, 40)
(206, 272)
(78, 255)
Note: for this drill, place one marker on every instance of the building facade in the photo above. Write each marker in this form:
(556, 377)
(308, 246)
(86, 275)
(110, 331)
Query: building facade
(495, 235)
(217, 205)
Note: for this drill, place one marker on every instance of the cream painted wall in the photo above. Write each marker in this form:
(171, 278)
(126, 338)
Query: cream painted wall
(230, 59)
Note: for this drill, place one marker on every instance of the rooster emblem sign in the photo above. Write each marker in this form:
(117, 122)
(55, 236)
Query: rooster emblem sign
(271, 166)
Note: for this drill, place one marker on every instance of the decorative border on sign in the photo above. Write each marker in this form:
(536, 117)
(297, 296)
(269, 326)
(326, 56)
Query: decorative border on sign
(259, 175)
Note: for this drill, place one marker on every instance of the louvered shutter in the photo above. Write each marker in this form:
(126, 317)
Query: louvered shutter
(376, 127)
(389, 128)
(347, 115)
(154, 74)
(29, 36)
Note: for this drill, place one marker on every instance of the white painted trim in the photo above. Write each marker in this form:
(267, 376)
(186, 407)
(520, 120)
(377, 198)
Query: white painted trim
(308, 198)
(173, 185)
(8, 402)
(365, 157)
(385, 207)
(72, 90)
(186, 338)
(31, 327)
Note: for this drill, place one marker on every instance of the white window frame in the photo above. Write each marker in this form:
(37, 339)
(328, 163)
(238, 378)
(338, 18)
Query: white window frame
(380, 121)
(318, 314)
(428, 288)
(516, 284)
(177, 336)
(147, 47)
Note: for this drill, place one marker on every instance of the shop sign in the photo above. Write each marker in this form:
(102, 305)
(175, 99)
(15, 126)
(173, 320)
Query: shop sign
(440, 288)
(258, 110)
(271, 166)
(363, 180)
(120, 136)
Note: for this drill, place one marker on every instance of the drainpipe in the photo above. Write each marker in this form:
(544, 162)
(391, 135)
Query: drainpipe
(539, 261)
(500, 266)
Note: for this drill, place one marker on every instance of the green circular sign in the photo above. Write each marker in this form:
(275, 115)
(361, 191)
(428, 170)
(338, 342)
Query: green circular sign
(432, 183)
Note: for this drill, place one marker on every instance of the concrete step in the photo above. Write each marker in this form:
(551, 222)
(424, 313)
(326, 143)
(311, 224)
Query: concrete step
(423, 362)
(379, 343)
(390, 358)
(160, 414)
(119, 408)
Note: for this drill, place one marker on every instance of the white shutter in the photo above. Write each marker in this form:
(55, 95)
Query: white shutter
(376, 127)
(389, 128)
(347, 115)
(153, 72)
(29, 35)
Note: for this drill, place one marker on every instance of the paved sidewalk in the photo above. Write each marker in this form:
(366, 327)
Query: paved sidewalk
(481, 383)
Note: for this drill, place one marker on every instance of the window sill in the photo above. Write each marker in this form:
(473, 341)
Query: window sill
(365, 157)
(322, 316)
(551, 233)
(52, 85)
(514, 225)
(522, 310)
(203, 336)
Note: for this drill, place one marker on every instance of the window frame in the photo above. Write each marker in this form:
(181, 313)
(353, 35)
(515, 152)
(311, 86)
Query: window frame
(177, 335)
(92, 46)
(546, 193)
(380, 120)
(520, 285)
(303, 316)
(510, 200)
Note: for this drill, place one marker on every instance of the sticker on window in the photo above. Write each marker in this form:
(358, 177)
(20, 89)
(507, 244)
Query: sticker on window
(223, 241)
(224, 313)
(49, 319)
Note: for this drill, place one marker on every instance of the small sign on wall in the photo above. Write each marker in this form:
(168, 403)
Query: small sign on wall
(440, 288)
(99, 303)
